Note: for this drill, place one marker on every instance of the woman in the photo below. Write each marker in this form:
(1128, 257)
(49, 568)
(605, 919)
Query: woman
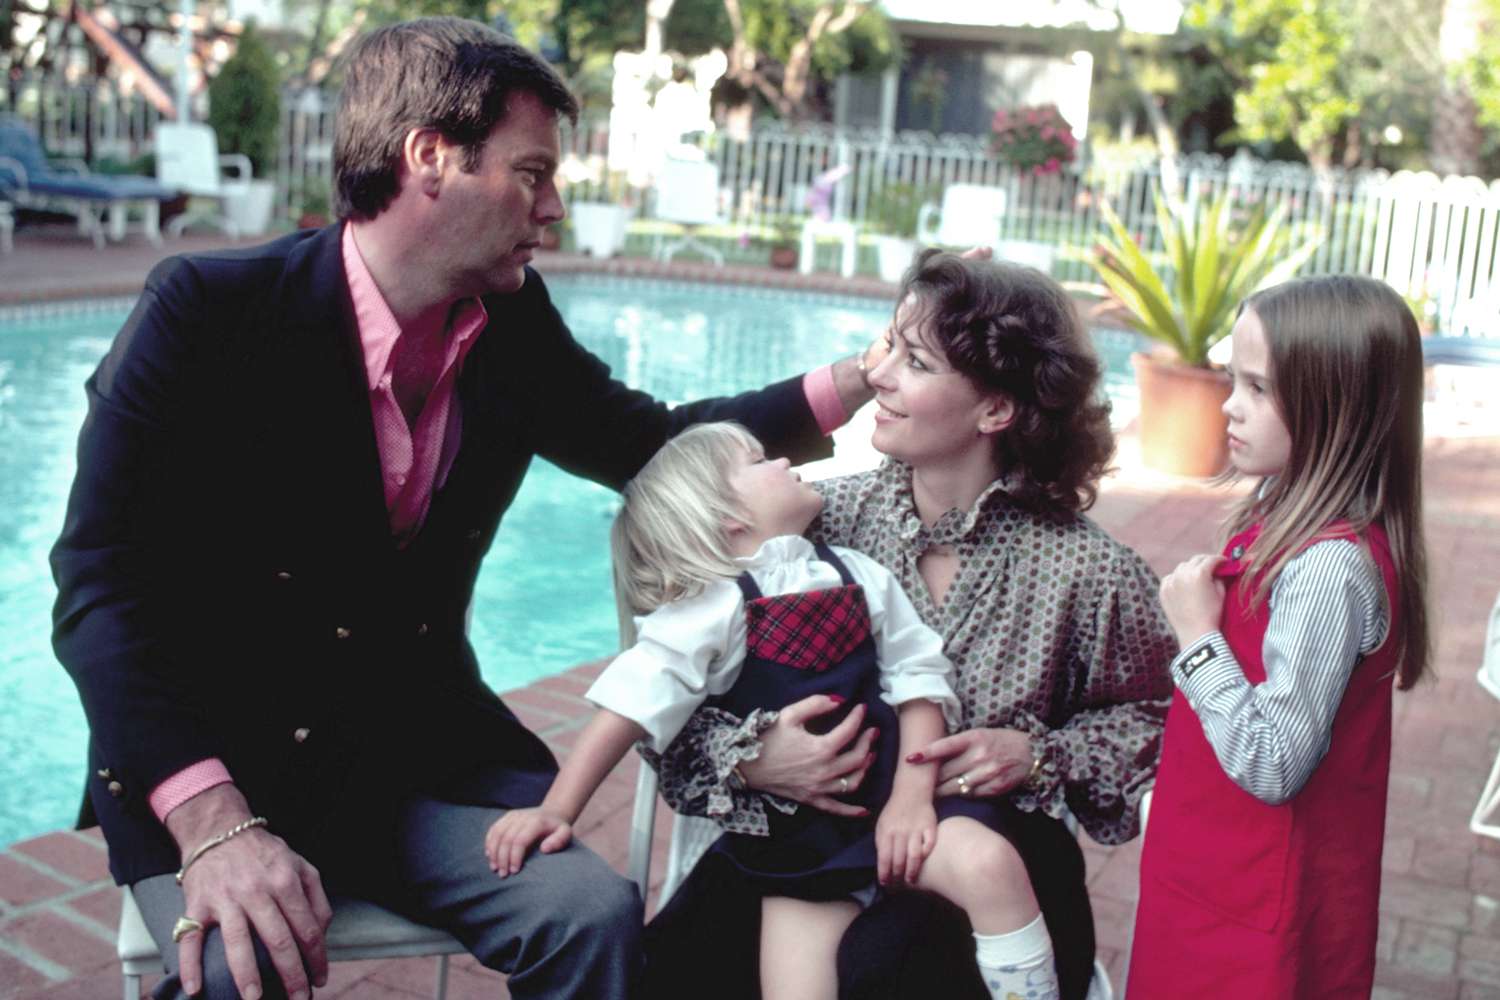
(996, 435)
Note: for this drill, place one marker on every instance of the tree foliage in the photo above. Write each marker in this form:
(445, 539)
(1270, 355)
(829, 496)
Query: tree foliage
(244, 102)
(1286, 57)
(1328, 77)
(1483, 71)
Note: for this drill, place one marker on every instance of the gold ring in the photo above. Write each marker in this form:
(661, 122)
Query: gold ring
(963, 784)
(184, 927)
(844, 785)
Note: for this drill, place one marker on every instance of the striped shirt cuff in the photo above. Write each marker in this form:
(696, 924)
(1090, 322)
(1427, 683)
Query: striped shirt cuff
(183, 785)
(1201, 663)
(823, 399)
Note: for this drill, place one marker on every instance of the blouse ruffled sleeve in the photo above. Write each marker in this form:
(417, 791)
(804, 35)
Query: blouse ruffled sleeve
(1099, 762)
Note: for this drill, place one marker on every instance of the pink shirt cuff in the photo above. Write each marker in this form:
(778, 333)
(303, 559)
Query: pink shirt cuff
(183, 785)
(823, 399)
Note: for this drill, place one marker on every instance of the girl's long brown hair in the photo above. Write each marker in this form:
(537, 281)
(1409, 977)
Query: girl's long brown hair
(1346, 371)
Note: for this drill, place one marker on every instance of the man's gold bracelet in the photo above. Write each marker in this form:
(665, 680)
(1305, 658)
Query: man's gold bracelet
(212, 842)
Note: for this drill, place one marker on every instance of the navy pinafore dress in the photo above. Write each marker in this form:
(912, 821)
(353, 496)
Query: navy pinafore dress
(801, 644)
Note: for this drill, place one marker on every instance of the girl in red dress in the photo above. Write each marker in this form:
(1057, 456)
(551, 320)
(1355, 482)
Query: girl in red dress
(1260, 875)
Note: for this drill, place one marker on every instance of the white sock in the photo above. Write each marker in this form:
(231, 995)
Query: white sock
(1018, 965)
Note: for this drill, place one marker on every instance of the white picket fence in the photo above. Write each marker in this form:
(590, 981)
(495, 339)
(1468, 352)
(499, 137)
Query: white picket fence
(1434, 239)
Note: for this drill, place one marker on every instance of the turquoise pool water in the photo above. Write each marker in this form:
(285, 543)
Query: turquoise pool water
(543, 602)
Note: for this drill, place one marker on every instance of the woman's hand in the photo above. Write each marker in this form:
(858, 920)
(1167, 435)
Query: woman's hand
(799, 765)
(991, 761)
(1192, 598)
(904, 835)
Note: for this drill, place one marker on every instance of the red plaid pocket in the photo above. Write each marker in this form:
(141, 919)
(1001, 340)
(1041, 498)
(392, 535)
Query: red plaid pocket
(811, 631)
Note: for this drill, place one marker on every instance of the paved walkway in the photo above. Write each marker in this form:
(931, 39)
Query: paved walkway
(1440, 905)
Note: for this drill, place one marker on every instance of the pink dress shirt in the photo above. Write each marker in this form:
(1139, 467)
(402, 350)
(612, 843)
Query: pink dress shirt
(415, 460)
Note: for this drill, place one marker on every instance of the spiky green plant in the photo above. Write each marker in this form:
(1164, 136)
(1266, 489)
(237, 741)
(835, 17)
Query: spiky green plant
(1189, 303)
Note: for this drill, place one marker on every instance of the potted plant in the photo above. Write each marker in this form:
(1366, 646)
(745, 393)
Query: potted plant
(892, 215)
(1036, 140)
(786, 237)
(244, 108)
(1186, 299)
(315, 204)
(600, 220)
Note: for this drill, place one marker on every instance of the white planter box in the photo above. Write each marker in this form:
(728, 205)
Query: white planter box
(250, 209)
(599, 227)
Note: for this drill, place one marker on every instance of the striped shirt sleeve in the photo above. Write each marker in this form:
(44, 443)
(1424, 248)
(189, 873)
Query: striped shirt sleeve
(1328, 610)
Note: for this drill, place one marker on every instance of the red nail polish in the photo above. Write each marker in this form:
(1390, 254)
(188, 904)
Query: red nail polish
(915, 758)
(837, 699)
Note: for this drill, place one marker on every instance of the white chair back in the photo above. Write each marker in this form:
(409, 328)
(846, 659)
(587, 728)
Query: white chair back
(969, 217)
(187, 157)
(687, 192)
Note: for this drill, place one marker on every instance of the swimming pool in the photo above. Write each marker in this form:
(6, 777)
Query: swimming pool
(547, 580)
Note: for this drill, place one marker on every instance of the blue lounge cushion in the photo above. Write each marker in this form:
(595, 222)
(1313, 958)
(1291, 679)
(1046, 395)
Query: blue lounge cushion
(20, 144)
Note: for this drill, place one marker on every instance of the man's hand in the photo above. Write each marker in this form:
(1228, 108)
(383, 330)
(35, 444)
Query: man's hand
(251, 882)
(513, 834)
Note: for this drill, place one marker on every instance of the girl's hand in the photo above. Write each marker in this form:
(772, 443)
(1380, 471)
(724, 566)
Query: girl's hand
(811, 769)
(904, 835)
(513, 834)
(1192, 598)
(991, 761)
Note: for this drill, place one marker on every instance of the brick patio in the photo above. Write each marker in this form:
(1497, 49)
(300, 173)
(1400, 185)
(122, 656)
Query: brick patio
(1440, 906)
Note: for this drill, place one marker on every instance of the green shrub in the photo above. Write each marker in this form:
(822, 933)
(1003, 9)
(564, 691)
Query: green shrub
(244, 103)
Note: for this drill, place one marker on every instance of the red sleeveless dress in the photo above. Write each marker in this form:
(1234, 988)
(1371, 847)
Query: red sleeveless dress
(1240, 899)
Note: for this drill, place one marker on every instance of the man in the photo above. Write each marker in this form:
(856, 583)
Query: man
(295, 457)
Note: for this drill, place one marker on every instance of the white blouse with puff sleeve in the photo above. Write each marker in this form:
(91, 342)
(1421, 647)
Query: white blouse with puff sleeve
(692, 649)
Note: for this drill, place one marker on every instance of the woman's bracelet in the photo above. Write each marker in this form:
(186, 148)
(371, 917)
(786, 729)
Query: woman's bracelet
(1033, 779)
(212, 842)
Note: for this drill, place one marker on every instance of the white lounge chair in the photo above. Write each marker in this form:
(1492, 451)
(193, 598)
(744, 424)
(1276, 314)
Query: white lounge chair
(188, 159)
(359, 930)
(1483, 820)
(687, 193)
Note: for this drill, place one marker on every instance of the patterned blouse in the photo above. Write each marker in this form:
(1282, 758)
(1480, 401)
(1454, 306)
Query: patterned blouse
(1055, 629)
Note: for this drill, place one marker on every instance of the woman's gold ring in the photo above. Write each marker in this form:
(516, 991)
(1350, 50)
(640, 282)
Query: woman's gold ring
(184, 927)
(963, 784)
(844, 785)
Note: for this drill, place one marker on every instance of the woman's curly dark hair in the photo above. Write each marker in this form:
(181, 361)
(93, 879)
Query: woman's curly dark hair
(1013, 330)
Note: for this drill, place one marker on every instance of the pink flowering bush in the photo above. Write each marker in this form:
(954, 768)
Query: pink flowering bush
(1036, 139)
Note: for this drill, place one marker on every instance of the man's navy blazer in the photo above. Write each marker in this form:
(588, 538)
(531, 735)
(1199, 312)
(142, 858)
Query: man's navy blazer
(228, 583)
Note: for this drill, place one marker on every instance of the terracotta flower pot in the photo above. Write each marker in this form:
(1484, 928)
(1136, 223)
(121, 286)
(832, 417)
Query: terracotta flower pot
(784, 257)
(1182, 425)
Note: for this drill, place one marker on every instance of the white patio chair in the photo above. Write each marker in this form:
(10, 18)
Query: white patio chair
(827, 218)
(692, 835)
(359, 930)
(188, 159)
(1482, 822)
(687, 193)
(968, 217)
